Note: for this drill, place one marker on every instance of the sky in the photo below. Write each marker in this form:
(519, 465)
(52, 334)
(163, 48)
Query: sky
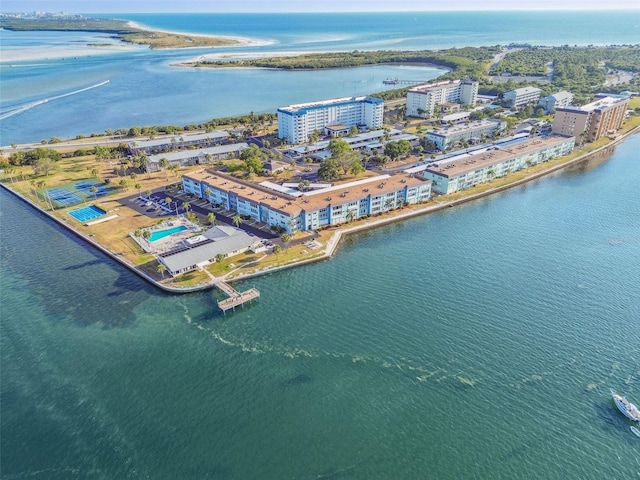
(259, 6)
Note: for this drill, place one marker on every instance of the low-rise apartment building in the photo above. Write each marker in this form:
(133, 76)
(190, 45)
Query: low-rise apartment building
(196, 156)
(446, 137)
(521, 97)
(170, 143)
(557, 100)
(292, 210)
(471, 169)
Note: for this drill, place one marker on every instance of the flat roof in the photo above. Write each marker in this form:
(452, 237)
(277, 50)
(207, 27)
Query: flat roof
(181, 154)
(590, 107)
(434, 86)
(301, 107)
(478, 124)
(468, 163)
(194, 137)
(314, 200)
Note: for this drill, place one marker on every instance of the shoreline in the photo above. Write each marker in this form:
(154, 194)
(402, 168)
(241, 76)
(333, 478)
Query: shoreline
(333, 243)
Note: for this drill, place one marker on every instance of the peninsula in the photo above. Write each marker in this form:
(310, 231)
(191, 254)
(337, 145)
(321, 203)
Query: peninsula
(121, 30)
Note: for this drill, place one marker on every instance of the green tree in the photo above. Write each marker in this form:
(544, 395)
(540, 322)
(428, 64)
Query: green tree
(220, 257)
(276, 250)
(94, 190)
(329, 169)
(285, 238)
(44, 166)
(236, 220)
(163, 163)
(211, 217)
(161, 269)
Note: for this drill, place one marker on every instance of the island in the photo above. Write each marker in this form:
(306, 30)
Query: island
(121, 30)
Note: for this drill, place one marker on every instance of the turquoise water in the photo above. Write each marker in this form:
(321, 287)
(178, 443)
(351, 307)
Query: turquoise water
(87, 213)
(478, 342)
(158, 234)
(145, 89)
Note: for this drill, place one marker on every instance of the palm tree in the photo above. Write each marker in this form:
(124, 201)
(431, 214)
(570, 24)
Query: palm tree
(237, 220)
(94, 190)
(164, 164)
(351, 214)
(220, 257)
(285, 238)
(146, 234)
(212, 218)
(277, 249)
(388, 203)
(491, 174)
(161, 269)
(207, 193)
(185, 206)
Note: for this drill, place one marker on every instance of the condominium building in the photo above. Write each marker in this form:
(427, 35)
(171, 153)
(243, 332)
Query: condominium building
(196, 156)
(297, 122)
(592, 121)
(423, 100)
(521, 97)
(444, 138)
(169, 143)
(471, 169)
(557, 100)
(292, 210)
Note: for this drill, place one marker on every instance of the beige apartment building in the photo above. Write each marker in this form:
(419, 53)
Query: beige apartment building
(593, 121)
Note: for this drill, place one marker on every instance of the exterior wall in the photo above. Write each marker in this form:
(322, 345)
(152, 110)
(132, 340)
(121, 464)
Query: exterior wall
(423, 100)
(521, 96)
(443, 138)
(444, 184)
(557, 100)
(333, 212)
(296, 122)
(590, 122)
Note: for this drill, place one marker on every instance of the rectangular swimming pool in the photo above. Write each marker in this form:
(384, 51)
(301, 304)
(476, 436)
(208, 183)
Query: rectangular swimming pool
(158, 234)
(87, 213)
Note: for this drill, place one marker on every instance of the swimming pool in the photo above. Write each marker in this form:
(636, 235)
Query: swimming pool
(158, 234)
(87, 213)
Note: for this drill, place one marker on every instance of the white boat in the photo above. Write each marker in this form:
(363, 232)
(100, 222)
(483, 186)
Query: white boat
(635, 431)
(627, 408)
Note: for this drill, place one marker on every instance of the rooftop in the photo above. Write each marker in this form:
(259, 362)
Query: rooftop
(468, 163)
(605, 102)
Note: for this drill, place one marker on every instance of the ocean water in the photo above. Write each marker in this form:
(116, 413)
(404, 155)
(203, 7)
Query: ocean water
(145, 89)
(477, 342)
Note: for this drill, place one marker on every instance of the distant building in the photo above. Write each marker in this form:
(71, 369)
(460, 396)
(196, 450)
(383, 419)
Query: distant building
(470, 169)
(196, 156)
(297, 122)
(557, 100)
(593, 121)
(445, 137)
(521, 97)
(423, 100)
(291, 210)
(166, 144)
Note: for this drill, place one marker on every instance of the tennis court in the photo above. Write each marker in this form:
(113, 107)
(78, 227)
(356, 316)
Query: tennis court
(85, 188)
(87, 213)
(63, 196)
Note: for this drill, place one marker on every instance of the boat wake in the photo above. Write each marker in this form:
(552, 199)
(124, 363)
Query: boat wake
(30, 105)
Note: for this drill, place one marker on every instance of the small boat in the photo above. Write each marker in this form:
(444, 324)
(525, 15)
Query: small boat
(627, 408)
(635, 431)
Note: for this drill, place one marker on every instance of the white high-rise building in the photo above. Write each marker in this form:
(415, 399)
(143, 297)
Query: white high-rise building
(423, 99)
(297, 122)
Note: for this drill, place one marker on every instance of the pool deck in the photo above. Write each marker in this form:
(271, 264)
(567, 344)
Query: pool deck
(100, 220)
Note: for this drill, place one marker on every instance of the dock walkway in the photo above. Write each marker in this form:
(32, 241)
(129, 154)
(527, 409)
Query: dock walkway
(235, 298)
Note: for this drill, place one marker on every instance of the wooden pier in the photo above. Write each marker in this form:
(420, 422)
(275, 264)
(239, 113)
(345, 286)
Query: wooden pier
(235, 298)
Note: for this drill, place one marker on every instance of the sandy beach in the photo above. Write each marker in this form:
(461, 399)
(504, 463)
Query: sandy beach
(63, 52)
(242, 41)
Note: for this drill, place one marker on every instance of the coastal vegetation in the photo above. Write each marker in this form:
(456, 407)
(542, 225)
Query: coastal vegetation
(581, 70)
(119, 29)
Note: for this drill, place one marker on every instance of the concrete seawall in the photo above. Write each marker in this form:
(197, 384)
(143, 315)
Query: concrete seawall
(334, 242)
